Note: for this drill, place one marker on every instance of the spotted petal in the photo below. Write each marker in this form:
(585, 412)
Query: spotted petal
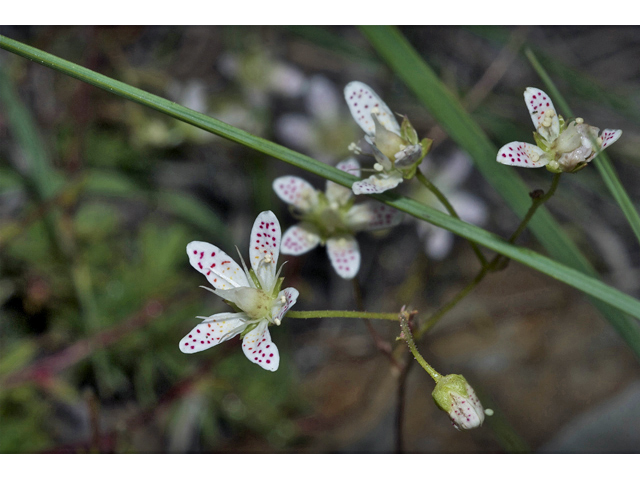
(264, 248)
(344, 254)
(521, 154)
(372, 216)
(296, 191)
(608, 137)
(338, 193)
(287, 298)
(538, 103)
(214, 330)
(259, 348)
(299, 239)
(378, 183)
(220, 269)
(361, 100)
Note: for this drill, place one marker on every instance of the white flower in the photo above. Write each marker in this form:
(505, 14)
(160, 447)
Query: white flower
(396, 148)
(331, 218)
(560, 147)
(471, 209)
(255, 293)
(325, 130)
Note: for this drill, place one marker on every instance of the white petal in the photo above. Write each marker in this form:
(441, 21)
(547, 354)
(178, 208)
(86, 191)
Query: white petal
(338, 193)
(382, 216)
(296, 130)
(214, 330)
(372, 216)
(287, 80)
(296, 191)
(361, 100)
(219, 268)
(608, 137)
(378, 183)
(438, 242)
(298, 240)
(259, 348)
(323, 99)
(522, 154)
(264, 248)
(538, 103)
(344, 254)
(290, 295)
(470, 208)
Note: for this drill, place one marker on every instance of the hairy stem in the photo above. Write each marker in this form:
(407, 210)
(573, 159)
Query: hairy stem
(341, 314)
(404, 324)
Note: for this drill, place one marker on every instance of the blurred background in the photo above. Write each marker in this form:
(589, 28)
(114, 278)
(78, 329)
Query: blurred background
(99, 197)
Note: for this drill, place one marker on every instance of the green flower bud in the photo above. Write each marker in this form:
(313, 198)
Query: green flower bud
(456, 397)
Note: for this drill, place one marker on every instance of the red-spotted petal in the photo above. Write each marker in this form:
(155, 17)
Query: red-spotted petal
(521, 154)
(382, 216)
(286, 299)
(362, 100)
(538, 103)
(219, 268)
(216, 329)
(259, 348)
(296, 191)
(344, 254)
(264, 248)
(378, 183)
(299, 239)
(608, 137)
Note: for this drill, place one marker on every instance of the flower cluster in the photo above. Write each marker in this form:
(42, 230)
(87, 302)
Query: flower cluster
(331, 218)
(395, 147)
(255, 294)
(560, 146)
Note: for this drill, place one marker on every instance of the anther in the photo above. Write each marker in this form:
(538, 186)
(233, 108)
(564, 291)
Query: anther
(378, 167)
(579, 121)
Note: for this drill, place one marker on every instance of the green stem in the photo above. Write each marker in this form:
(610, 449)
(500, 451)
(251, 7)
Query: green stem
(445, 202)
(537, 202)
(404, 324)
(341, 314)
(495, 262)
(435, 317)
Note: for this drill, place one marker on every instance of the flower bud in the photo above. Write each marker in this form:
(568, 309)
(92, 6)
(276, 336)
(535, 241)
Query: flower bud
(456, 397)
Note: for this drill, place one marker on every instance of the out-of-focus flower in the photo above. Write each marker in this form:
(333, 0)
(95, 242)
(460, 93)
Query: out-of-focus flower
(254, 293)
(331, 218)
(561, 147)
(454, 395)
(449, 179)
(396, 148)
(259, 75)
(324, 132)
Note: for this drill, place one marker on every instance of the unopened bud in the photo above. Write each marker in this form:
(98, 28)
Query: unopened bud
(454, 395)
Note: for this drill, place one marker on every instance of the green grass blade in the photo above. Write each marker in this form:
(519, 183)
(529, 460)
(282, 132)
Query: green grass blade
(591, 286)
(450, 114)
(602, 162)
